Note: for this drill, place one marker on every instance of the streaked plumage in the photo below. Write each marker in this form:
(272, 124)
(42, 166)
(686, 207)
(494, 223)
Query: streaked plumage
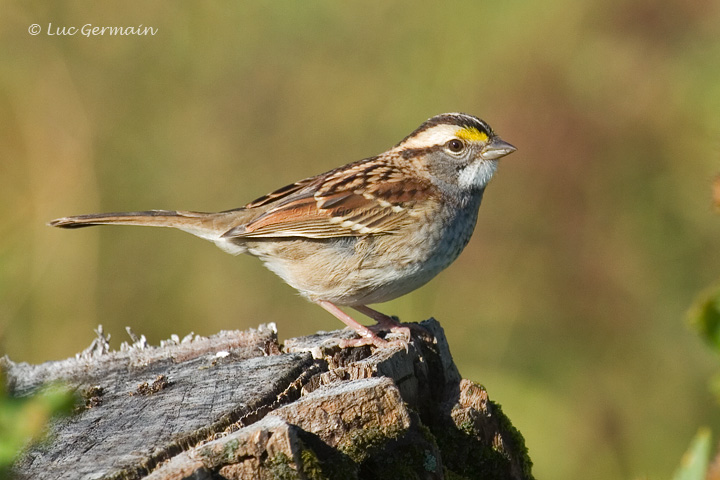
(363, 233)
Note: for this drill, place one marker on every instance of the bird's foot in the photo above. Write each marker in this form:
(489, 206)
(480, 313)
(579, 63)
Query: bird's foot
(375, 341)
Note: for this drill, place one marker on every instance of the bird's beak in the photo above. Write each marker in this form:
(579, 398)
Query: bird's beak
(497, 148)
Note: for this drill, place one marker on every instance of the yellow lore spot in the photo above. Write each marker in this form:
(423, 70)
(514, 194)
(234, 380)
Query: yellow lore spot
(471, 134)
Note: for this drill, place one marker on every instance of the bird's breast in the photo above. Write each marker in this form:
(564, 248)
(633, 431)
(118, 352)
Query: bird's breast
(360, 270)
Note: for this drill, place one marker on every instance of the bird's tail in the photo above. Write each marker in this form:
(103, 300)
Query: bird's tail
(206, 225)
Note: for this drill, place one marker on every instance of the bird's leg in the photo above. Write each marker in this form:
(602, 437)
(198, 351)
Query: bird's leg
(367, 336)
(383, 321)
(386, 322)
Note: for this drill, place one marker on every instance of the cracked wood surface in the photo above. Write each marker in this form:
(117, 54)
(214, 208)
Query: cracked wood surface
(238, 405)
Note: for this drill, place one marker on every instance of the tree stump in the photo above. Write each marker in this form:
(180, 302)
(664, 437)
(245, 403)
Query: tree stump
(237, 405)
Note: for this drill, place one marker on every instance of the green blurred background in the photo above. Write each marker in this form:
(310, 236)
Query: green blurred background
(592, 241)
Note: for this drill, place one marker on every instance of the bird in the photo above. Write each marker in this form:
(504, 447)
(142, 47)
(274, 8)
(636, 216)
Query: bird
(363, 233)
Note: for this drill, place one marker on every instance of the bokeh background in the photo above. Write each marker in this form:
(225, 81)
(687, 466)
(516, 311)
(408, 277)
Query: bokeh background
(592, 241)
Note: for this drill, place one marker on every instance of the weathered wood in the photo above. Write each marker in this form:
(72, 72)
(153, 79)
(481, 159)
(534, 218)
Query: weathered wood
(236, 405)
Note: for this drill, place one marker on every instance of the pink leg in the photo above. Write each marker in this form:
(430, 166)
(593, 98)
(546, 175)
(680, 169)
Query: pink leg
(367, 337)
(386, 322)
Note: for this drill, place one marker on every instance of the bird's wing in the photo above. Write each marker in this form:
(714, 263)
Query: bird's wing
(367, 197)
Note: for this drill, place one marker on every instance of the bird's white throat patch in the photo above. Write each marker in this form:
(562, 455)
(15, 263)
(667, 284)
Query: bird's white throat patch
(477, 174)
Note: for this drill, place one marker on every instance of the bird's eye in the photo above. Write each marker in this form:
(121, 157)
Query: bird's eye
(455, 145)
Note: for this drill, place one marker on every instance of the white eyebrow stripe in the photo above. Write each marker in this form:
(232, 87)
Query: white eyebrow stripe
(437, 135)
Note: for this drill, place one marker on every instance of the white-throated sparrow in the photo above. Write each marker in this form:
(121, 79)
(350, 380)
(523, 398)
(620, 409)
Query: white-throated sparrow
(363, 233)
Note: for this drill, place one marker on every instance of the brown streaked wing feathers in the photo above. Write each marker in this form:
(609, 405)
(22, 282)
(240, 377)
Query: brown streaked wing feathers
(363, 198)
(280, 193)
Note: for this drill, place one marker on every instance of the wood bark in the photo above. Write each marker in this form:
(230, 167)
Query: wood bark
(237, 405)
